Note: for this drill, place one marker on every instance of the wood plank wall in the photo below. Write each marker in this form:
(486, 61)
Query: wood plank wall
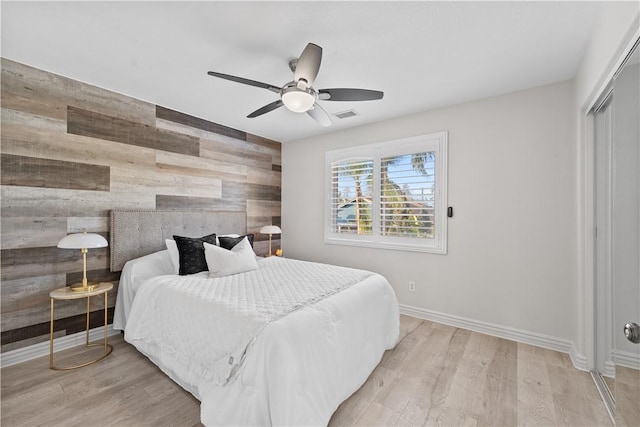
(71, 152)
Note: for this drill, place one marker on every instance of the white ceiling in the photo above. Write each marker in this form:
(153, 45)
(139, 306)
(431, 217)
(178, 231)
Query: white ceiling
(423, 55)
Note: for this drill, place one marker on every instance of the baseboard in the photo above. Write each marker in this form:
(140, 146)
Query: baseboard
(40, 349)
(539, 340)
(627, 359)
(609, 369)
(579, 360)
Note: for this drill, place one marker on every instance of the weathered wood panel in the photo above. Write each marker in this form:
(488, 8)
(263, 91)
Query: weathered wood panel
(178, 203)
(188, 165)
(263, 208)
(27, 121)
(127, 180)
(33, 201)
(30, 262)
(29, 232)
(224, 152)
(21, 294)
(195, 122)
(71, 152)
(266, 177)
(101, 126)
(34, 172)
(269, 143)
(239, 190)
(27, 135)
(275, 147)
(232, 143)
(25, 318)
(91, 224)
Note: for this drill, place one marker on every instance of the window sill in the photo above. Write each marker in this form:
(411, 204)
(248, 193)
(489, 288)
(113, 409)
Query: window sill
(386, 245)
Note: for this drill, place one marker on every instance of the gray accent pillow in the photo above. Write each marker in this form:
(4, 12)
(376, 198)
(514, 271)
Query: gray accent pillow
(229, 242)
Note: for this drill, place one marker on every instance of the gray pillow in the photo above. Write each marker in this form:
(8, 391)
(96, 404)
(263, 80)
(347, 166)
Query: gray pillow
(229, 242)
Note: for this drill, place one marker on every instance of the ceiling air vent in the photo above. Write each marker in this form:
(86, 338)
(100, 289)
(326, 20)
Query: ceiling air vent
(346, 114)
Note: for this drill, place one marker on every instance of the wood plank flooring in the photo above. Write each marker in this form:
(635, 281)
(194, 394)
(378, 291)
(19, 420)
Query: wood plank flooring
(436, 375)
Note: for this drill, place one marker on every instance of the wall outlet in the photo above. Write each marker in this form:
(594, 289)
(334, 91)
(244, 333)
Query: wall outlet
(412, 286)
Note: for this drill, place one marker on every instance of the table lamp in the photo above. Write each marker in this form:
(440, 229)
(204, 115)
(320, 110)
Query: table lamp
(83, 241)
(270, 229)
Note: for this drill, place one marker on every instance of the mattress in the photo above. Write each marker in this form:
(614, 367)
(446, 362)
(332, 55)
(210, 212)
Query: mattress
(292, 363)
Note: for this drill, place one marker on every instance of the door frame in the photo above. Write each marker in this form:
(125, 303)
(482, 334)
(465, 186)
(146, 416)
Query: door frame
(586, 212)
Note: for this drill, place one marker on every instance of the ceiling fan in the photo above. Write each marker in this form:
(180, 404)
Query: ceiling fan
(298, 95)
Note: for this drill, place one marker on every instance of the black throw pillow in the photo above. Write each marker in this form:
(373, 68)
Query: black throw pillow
(191, 251)
(229, 242)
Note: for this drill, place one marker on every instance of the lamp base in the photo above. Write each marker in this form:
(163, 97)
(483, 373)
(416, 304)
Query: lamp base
(79, 288)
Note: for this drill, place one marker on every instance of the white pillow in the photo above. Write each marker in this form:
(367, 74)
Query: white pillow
(224, 262)
(173, 252)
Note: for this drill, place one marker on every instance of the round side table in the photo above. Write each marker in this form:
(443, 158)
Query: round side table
(68, 294)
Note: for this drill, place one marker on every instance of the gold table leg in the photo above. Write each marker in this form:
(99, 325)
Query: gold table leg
(105, 324)
(51, 337)
(107, 347)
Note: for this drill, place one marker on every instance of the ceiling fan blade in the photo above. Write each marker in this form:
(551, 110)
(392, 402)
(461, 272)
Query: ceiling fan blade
(349, 94)
(308, 64)
(266, 109)
(318, 114)
(242, 80)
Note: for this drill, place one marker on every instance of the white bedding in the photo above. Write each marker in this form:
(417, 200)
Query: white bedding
(299, 367)
(134, 273)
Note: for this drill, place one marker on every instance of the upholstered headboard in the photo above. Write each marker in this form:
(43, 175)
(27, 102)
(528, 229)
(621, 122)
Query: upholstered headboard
(135, 233)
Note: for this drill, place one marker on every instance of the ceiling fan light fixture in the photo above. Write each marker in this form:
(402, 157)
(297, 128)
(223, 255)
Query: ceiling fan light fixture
(297, 100)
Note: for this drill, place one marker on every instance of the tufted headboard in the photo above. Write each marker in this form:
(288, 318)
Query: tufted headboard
(135, 233)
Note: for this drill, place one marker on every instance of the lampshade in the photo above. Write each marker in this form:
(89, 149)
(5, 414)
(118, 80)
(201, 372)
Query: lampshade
(82, 241)
(298, 100)
(270, 229)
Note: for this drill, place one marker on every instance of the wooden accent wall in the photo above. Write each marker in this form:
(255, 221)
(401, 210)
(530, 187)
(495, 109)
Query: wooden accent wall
(71, 152)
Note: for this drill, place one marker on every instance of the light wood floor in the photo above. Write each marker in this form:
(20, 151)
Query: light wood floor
(436, 375)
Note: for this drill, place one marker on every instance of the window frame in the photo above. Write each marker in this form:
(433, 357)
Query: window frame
(436, 142)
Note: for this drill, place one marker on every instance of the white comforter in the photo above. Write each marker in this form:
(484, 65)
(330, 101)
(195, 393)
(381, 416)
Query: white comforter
(301, 361)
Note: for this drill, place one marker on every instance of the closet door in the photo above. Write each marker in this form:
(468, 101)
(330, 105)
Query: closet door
(626, 241)
(604, 367)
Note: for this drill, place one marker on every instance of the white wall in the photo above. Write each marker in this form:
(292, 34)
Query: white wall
(511, 259)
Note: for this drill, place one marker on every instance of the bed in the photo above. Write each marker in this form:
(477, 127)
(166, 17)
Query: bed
(281, 344)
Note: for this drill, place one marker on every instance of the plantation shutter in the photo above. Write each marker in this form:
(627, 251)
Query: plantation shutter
(350, 205)
(407, 195)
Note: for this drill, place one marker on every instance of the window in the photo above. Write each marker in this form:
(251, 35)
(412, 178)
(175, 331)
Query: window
(389, 195)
